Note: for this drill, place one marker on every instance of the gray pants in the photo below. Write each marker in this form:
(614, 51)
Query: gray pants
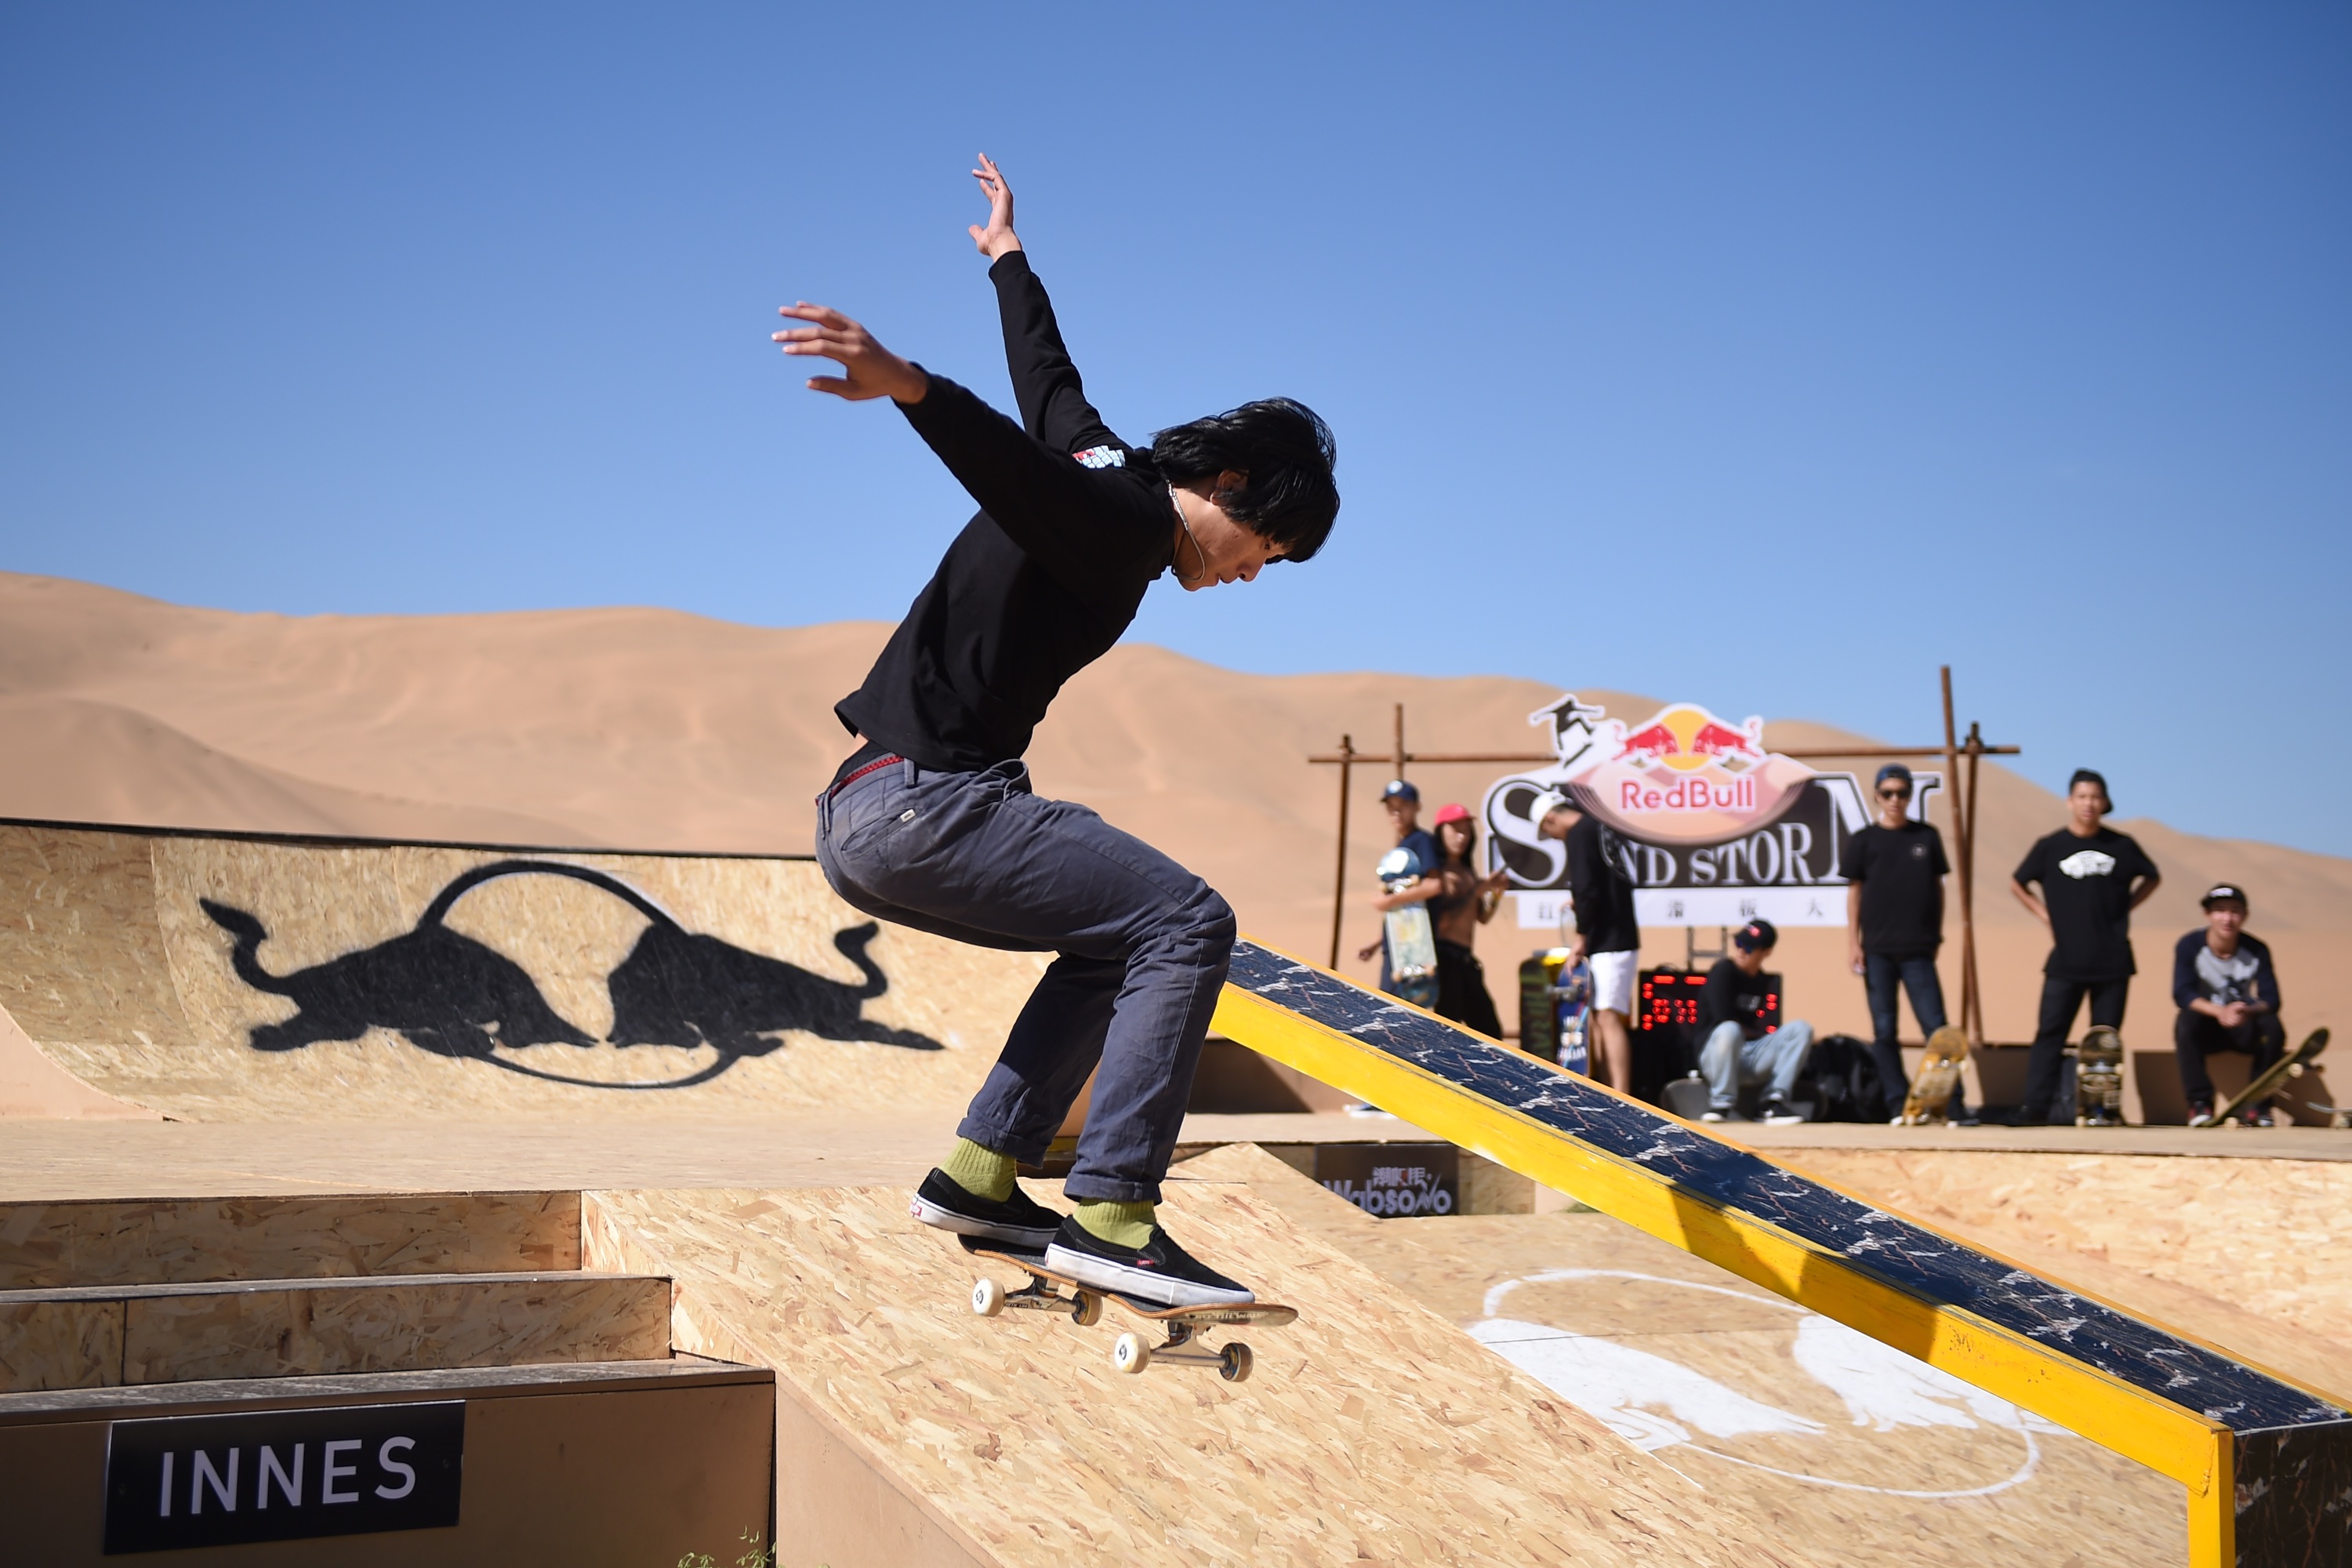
(1143, 947)
(1730, 1058)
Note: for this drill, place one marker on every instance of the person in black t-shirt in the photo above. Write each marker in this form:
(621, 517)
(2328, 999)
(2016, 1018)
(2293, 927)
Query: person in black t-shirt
(1738, 1047)
(2228, 994)
(2092, 879)
(931, 822)
(1895, 923)
(1607, 935)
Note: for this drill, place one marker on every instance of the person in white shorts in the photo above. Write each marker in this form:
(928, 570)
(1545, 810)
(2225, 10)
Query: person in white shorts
(1608, 936)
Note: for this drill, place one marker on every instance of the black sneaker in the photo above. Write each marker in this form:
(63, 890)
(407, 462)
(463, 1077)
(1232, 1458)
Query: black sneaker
(1159, 1270)
(1778, 1112)
(2200, 1114)
(1019, 1221)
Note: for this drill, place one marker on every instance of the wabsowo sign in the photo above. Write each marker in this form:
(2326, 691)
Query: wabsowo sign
(1712, 829)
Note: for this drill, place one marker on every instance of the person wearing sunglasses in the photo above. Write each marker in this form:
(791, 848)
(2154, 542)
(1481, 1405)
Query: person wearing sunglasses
(1895, 923)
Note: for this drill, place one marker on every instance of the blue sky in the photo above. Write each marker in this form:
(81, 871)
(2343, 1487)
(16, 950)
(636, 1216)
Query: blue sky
(1765, 356)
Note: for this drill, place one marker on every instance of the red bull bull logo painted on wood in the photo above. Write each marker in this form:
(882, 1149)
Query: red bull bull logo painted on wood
(1710, 825)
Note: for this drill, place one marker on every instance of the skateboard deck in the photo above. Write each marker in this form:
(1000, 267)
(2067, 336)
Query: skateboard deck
(1413, 953)
(1130, 1353)
(2269, 1082)
(2099, 1078)
(1930, 1099)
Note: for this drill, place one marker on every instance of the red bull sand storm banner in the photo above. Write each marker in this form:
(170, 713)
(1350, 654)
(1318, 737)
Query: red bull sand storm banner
(1712, 829)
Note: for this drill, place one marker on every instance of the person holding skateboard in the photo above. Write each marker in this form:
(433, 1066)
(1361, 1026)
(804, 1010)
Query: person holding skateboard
(2092, 877)
(1608, 935)
(2227, 995)
(931, 822)
(1406, 875)
(1893, 923)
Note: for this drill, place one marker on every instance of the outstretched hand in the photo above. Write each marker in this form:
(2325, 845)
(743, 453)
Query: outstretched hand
(997, 238)
(871, 370)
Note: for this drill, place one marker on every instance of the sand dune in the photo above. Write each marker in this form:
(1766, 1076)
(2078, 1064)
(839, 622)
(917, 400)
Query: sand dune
(649, 728)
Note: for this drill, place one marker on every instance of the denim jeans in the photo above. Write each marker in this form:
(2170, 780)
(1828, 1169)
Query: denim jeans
(1881, 975)
(1143, 946)
(2048, 1074)
(1730, 1059)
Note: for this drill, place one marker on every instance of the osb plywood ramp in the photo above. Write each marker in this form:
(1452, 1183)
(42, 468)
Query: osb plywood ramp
(1372, 1430)
(245, 979)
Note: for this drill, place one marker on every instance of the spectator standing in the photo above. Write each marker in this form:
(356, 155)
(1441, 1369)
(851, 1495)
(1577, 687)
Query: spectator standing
(1740, 1048)
(2092, 877)
(2229, 999)
(1401, 801)
(1468, 902)
(1607, 935)
(1895, 923)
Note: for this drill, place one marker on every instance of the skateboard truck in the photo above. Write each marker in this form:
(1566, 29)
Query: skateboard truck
(989, 1297)
(1130, 1353)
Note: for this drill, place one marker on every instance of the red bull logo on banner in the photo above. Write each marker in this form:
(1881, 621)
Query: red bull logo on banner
(1710, 825)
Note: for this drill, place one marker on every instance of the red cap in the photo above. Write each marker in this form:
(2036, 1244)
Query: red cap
(1451, 813)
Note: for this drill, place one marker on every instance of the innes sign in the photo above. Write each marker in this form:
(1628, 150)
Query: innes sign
(1711, 827)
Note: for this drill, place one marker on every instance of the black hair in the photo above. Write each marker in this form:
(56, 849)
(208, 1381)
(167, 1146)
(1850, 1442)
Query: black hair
(1285, 454)
(2091, 776)
(1469, 826)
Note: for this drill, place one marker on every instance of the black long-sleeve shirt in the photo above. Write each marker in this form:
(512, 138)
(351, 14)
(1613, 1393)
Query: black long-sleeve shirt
(1074, 526)
(1599, 891)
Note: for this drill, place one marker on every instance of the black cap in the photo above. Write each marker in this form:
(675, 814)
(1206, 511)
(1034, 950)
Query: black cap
(2221, 893)
(1755, 936)
(1399, 790)
(1895, 770)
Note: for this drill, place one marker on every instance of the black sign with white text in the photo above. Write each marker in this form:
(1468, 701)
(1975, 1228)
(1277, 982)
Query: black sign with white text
(1390, 1180)
(282, 1475)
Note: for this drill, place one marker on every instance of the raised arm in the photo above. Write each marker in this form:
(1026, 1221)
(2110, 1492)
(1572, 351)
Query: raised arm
(1045, 383)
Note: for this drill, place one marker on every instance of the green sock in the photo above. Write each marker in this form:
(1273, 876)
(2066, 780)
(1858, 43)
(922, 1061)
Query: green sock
(1121, 1225)
(984, 1173)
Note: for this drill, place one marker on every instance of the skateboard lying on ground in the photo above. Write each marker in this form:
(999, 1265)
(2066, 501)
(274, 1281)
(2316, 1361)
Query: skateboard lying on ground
(2269, 1082)
(1128, 1352)
(2099, 1078)
(1930, 1098)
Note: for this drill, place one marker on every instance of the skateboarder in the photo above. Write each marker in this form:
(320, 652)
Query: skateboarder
(931, 821)
(2092, 879)
(2228, 994)
(1607, 935)
(1468, 902)
(1739, 1049)
(1895, 923)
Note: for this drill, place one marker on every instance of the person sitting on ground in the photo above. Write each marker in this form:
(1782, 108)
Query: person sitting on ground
(1401, 801)
(1468, 902)
(1740, 1050)
(1608, 935)
(2229, 999)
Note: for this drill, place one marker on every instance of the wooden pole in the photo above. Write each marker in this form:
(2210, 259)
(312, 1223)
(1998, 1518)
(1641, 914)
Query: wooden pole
(1400, 757)
(1971, 1000)
(1339, 877)
(1960, 846)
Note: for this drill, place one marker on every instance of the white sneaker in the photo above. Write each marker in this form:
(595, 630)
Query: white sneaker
(1718, 1113)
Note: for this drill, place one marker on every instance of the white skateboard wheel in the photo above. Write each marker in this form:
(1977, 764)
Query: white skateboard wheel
(1234, 1365)
(1087, 1312)
(987, 1297)
(1129, 1353)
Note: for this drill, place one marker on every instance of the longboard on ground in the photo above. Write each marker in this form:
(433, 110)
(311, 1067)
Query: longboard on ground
(1930, 1099)
(1130, 1353)
(2274, 1078)
(2099, 1078)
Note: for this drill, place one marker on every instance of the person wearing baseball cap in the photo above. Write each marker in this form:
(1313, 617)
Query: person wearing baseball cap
(1414, 879)
(2228, 994)
(1608, 935)
(2092, 877)
(1740, 1048)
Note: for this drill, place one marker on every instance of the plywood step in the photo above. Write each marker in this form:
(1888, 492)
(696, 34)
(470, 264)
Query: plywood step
(189, 1240)
(96, 1336)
